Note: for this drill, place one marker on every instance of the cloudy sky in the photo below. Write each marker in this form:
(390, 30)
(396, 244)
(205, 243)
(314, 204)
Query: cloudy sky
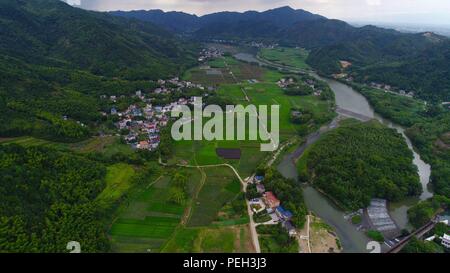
(407, 11)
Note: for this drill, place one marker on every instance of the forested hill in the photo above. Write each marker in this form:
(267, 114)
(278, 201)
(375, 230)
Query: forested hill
(56, 60)
(360, 161)
(54, 33)
(414, 62)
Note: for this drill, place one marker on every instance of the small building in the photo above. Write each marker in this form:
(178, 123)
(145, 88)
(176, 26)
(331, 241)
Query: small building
(260, 188)
(445, 241)
(290, 228)
(296, 114)
(259, 179)
(113, 111)
(143, 145)
(271, 200)
(283, 213)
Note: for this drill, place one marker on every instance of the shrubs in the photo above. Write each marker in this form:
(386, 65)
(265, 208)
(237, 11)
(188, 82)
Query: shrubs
(375, 235)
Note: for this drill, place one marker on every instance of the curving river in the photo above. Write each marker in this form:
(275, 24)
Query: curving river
(353, 240)
(347, 98)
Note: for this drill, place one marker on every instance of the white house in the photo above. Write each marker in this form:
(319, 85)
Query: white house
(445, 241)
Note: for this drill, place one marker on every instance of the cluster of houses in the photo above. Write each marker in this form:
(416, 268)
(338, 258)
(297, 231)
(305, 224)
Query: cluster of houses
(286, 82)
(209, 53)
(144, 124)
(273, 207)
(388, 88)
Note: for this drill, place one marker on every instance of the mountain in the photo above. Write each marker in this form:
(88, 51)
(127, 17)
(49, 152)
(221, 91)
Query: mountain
(54, 33)
(56, 60)
(223, 23)
(416, 62)
(173, 21)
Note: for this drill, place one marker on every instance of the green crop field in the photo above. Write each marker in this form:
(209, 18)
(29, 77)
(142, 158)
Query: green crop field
(211, 240)
(118, 182)
(264, 92)
(293, 57)
(221, 186)
(150, 219)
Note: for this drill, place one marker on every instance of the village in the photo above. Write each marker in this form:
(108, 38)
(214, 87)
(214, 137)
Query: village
(285, 83)
(143, 125)
(143, 121)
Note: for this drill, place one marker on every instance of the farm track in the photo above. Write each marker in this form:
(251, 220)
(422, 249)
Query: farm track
(244, 186)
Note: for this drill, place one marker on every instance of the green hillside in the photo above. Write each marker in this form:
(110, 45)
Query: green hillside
(56, 60)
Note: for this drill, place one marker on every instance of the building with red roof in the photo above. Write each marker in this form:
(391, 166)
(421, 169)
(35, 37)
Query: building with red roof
(271, 200)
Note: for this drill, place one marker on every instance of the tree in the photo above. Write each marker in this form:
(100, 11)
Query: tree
(177, 195)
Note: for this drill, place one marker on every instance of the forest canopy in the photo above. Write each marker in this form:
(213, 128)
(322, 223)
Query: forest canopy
(48, 200)
(361, 161)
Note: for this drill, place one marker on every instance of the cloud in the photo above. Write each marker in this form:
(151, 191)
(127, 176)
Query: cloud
(373, 2)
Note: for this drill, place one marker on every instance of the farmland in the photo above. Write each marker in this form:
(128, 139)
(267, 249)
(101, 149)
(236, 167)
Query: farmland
(118, 181)
(108, 145)
(211, 240)
(217, 72)
(150, 218)
(152, 222)
(263, 91)
(293, 57)
(220, 187)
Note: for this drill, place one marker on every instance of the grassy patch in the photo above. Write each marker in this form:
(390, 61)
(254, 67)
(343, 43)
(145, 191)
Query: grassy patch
(357, 219)
(118, 181)
(293, 57)
(210, 240)
(375, 235)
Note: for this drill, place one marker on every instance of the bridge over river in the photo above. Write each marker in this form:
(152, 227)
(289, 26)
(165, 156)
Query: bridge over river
(418, 233)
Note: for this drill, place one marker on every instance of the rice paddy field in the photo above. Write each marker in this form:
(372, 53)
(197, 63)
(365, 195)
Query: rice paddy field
(220, 187)
(293, 57)
(217, 72)
(152, 223)
(150, 218)
(264, 91)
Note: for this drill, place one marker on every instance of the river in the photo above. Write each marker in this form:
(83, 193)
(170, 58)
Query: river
(347, 98)
(353, 240)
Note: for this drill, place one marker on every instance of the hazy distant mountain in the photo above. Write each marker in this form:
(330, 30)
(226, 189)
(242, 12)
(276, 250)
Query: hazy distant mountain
(224, 22)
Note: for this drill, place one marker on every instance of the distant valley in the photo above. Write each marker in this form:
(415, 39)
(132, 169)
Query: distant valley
(376, 54)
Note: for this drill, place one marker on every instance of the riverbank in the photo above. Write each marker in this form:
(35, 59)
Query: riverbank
(318, 237)
(350, 100)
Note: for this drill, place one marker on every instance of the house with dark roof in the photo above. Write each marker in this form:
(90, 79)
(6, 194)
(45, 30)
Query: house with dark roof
(290, 228)
(283, 213)
(259, 179)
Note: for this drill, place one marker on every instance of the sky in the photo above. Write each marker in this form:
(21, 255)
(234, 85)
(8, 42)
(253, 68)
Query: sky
(400, 11)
